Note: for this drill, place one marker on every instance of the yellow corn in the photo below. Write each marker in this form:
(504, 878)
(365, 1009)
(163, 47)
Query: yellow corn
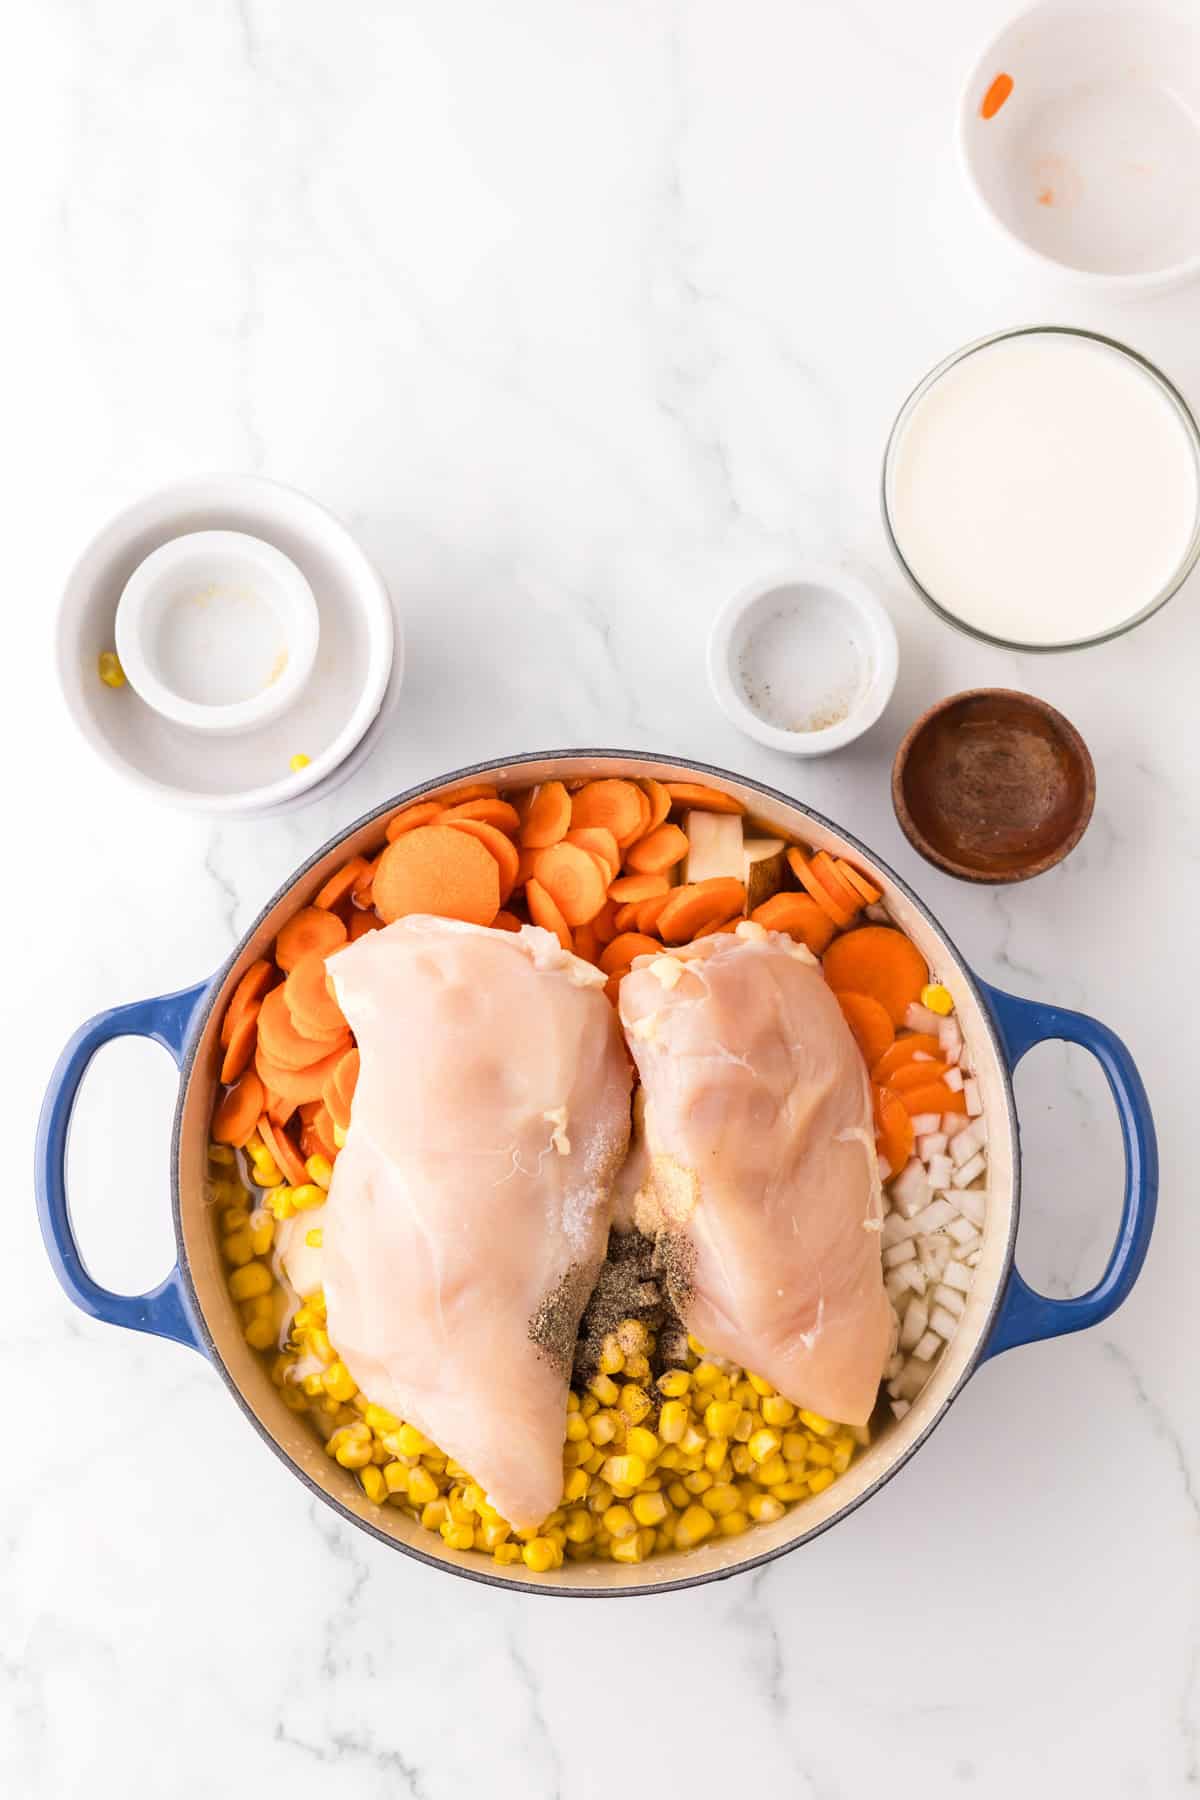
(506, 1554)
(720, 1499)
(108, 665)
(298, 762)
(605, 1389)
(720, 1417)
(639, 1441)
(221, 1153)
(820, 1479)
(612, 1358)
(314, 1238)
(305, 1198)
(458, 1537)
(422, 1488)
(674, 1383)
(635, 1403)
(318, 1169)
(374, 1485)
(706, 1375)
(625, 1471)
(541, 1554)
(764, 1507)
(338, 1382)
(764, 1444)
(732, 1524)
(693, 1527)
(760, 1386)
(434, 1513)
(649, 1509)
(776, 1410)
(937, 998)
(238, 1248)
(672, 1421)
(823, 1427)
(395, 1475)
(249, 1282)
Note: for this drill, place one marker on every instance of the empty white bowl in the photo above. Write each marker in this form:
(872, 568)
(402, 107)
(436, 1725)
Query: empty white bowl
(1079, 128)
(359, 656)
(804, 662)
(218, 631)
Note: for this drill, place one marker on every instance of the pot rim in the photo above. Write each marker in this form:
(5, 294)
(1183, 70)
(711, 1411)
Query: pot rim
(484, 1576)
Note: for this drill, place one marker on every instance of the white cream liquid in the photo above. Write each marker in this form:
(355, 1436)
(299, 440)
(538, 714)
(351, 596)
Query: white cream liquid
(1044, 490)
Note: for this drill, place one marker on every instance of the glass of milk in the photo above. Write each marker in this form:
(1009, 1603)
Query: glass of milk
(1041, 489)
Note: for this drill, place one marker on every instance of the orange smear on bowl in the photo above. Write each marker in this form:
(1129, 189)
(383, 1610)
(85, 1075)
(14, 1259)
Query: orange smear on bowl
(995, 97)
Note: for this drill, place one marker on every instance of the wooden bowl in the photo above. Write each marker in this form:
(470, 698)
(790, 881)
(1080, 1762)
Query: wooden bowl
(993, 785)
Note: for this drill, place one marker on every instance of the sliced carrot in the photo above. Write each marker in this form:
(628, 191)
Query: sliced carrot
(361, 923)
(477, 790)
(850, 875)
(497, 813)
(700, 903)
(252, 986)
(283, 1151)
(339, 1090)
(310, 1001)
(311, 930)
(648, 911)
(316, 1135)
(873, 1030)
(624, 947)
(295, 1086)
(284, 1044)
(658, 851)
(806, 875)
(936, 1098)
(546, 818)
(574, 879)
(879, 961)
(613, 803)
(716, 929)
(361, 892)
(625, 917)
(612, 987)
(893, 1128)
(238, 1111)
(916, 1074)
(240, 1048)
(436, 869)
(585, 943)
(690, 793)
(800, 916)
(645, 813)
(500, 845)
(605, 923)
(825, 869)
(917, 1043)
(601, 842)
(506, 921)
(423, 813)
(638, 887)
(660, 801)
(544, 912)
(343, 882)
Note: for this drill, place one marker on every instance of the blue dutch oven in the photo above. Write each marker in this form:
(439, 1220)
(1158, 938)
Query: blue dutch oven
(192, 1304)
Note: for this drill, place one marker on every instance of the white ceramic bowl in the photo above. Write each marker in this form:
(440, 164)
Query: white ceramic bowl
(804, 662)
(1091, 161)
(359, 659)
(218, 631)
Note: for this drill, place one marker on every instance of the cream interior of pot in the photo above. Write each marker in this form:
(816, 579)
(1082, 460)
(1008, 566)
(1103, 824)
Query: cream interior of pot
(894, 1440)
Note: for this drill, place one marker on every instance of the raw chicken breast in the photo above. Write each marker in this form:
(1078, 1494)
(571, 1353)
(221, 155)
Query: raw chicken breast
(469, 1209)
(762, 1180)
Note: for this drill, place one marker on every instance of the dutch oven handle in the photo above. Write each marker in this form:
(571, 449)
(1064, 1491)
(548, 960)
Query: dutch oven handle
(163, 1311)
(1025, 1316)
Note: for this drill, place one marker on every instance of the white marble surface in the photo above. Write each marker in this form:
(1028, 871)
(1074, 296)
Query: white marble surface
(580, 313)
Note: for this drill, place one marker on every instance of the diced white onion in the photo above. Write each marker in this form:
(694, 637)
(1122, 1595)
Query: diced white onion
(971, 1096)
(953, 1123)
(973, 1260)
(936, 1214)
(878, 913)
(970, 1171)
(930, 1143)
(919, 1018)
(895, 1366)
(953, 1079)
(967, 1144)
(895, 1229)
(916, 1321)
(899, 1407)
(949, 1035)
(940, 1171)
(900, 1253)
(924, 1124)
(961, 1230)
(913, 1379)
(947, 1298)
(967, 1244)
(943, 1321)
(911, 1191)
(957, 1275)
(928, 1347)
(933, 1253)
(972, 1203)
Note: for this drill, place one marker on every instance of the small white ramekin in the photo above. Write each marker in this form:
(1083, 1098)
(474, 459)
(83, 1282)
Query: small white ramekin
(860, 622)
(1079, 135)
(243, 617)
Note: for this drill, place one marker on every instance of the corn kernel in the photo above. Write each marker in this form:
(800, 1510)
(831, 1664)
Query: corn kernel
(721, 1498)
(422, 1488)
(761, 1387)
(298, 762)
(605, 1389)
(678, 1495)
(247, 1283)
(395, 1475)
(612, 1357)
(706, 1375)
(720, 1417)
(305, 1198)
(795, 1446)
(674, 1383)
(339, 1138)
(434, 1513)
(937, 999)
(338, 1382)
(638, 1368)
(672, 1421)
(599, 1497)
(640, 1441)
(577, 1429)
(635, 1403)
(814, 1421)
(319, 1170)
(108, 665)
(374, 1485)
(789, 1490)
(693, 1527)
(625, 1471)
(260, 1334)
(692, 1442)
(491, 1532)
(541, 1554)
(764, 1444)
(776, 1410)
(579, 1526)
(575, 1484)
(457, 1536)
(771, 1472)
(732, 1524)
(764, 1507)
(222, 1154)
(589, 1406)
(506, 1554)
(602, 1427)
(314, 1238)
(820, 1479)
(413, 1442)
(715, 1452)
(649, 1509)
(238, 1248)
(820, 1454)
